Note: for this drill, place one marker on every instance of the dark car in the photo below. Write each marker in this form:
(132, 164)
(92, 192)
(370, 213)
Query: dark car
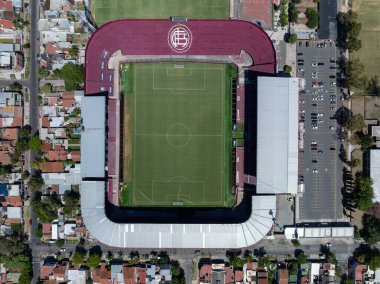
(332, 76)
(300, 64)
(299, 53)
(321, 64)
(314, 161)
(332, 148)
(332, 67)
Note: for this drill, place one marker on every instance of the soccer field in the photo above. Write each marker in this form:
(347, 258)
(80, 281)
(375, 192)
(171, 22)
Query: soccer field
(368, 11)
(106, 10)
(177, 135)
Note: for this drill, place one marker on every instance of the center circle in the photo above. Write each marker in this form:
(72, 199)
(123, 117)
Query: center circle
(178, 135)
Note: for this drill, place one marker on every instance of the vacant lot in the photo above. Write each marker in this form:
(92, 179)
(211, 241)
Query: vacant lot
(177, 122)
(368, 11)
(107, 10)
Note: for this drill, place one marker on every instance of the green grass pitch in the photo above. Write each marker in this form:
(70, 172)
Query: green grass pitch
(107, 10)
(177, 134)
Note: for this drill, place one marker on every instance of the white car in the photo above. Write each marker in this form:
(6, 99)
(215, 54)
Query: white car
(315, 171)
(314, 64)
(314, 74)
(315, 127)
(320, 114)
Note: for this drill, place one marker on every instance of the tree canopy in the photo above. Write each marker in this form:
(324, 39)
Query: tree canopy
(356, 122)
(292, 38)
(72, 75)
(312, 18)
(35, 182)
(348, 31)
(71, 201)
(364, 193)
(287, 69)
(293, 13)
(35, 143)
(353, 74)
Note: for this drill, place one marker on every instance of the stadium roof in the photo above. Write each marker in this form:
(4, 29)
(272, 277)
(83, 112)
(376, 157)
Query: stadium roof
(173, 235)
(93, 136)
(277, 135)
(375, 173)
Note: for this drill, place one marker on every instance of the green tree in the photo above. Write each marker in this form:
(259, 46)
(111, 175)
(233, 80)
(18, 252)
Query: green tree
(43, 72)
(354, 163)
(176, 270)
(366, 142)
(74, 50)
(24, 132)
(312, 18)
(59, 243)
(39, 232)
(296, 243)
(71, 202)
(72, 75)
(293, 13)
(364, 193)
(26, 45)
(93, 260)
(35, 143)
(373, 87)
(348, 31)
(78, 257)
(25, 278)
(287, 69)
(292, 38)
(35, 182)
(353, 74)
(15, 87)
(371, 229)
(356, 123)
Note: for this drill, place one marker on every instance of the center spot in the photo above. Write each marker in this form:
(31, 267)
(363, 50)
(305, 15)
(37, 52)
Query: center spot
(178, 135)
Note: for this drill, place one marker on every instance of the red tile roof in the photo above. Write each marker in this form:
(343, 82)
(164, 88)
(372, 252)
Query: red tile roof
(45, 122)
(283, 276)
(45, 271)
(52, 167)
(359, 269)
(6, 24)
(45, 147)
(75, 156)
(5, 158)
(46, 229)
(60, 271)
(6, 5)
(57, 155)
(9, 133)
(229, 276)
(206, 272)
(129, 275)
(239, 275)
(14, 201)
(52, 48)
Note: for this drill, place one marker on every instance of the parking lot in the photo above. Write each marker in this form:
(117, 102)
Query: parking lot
(320, 166)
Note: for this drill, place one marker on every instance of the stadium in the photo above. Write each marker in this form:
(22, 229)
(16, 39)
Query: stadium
(180, 148)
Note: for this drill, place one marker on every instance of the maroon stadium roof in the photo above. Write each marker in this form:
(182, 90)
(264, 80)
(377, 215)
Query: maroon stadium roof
(150, 37)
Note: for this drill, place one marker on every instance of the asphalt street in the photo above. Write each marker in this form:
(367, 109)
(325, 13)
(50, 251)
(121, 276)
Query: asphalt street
(320, 165)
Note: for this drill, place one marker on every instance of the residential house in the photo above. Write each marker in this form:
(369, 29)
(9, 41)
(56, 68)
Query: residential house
(60, 272)
(262, 275)
(117, 275)
(76, 275)
(249, 270)
(158, 273)
(47, 270)
(101, 275)
(134, 275)
(239, 276)
(283, 276)
(11, 56)
(6, 10)
(205, 273)
(46, 231)
(229, 275)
